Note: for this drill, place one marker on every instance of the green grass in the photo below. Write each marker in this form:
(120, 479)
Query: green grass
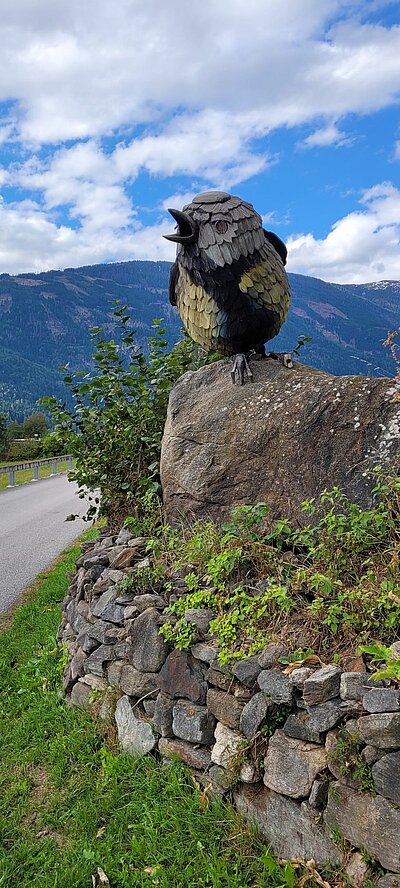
(69, 804)
(25, 475)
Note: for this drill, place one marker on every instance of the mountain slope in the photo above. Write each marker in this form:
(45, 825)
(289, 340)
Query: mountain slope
(45, 320)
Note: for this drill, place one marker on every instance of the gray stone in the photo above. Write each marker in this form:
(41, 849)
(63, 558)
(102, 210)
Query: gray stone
(80, 695)
(200, 618)
(298, 676)
(382, 700)
(342, 759)
(194, 756)
(87, 644)
(104, 633)
(356, 869)
(94, 559)
(123, 537)
(163, 713)
(322, 685)
(216, 782)
(77, 664)
(292, 829)
(204, 474)
(390, 880)
(122, 650)
(137, 684)
(220, 678)
(103, 583)
(253, 715)
(149, 649)
(368, 822)
(227, 747)
(381, 730)
(311, 723)
(135, 735)
(319, 794)
(276, 685)
(226, 708)
(149, 707)
(96, 662)
(144, 564)
(354, 663)
(247, 671)
(148, 599)
(82, 608)
(371, 754)
(249, 772)
(130, 611)
(205, 652)
(126, 557)
(386, 776)
(114, 673)
(193, 723)
(271, 654)
(291, 766)
(95, 682)
(353, 684)
(183, 676)
(106, 608)
(137, 543)
(114, 613)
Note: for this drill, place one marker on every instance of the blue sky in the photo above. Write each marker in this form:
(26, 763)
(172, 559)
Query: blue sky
(110, 113)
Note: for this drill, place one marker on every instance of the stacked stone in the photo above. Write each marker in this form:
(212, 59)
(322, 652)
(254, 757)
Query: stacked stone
(293, 782)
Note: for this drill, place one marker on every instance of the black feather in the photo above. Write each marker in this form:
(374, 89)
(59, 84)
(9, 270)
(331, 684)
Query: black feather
(278, 245)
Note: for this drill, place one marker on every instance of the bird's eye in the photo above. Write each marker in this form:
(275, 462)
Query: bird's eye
(221, 226)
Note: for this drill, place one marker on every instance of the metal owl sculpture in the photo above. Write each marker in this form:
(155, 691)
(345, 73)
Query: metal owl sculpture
(228, 281)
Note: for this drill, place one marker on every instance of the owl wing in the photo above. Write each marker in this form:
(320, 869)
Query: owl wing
(278, 245)
(173, 275)
(266, 283)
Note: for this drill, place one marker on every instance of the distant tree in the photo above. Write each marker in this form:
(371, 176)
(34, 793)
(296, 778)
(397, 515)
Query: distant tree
(15, 430)
(3, 434)
(36, 424)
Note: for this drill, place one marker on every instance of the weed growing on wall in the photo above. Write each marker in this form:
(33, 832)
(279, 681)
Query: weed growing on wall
(334, 584)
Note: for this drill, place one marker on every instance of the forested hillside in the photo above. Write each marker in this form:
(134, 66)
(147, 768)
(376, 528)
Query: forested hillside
(45, 320)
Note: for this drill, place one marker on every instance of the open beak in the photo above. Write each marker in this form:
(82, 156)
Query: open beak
(188, 229)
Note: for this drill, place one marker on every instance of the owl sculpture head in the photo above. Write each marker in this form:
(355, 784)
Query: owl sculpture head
(218, 229)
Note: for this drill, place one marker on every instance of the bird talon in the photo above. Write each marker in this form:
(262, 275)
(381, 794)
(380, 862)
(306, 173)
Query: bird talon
(284, 358)
(240, 370)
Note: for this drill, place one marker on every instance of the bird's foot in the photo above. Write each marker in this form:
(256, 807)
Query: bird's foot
(284, 358)
(241, 370)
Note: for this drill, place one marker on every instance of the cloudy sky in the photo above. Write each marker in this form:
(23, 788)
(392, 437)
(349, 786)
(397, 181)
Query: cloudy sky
(112, 112)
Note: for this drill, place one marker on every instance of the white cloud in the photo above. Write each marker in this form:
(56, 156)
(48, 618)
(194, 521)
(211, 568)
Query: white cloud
(80, 70)
(363, 246)
(188, 89)
(326, 136)
(31, 241)
(397, 150)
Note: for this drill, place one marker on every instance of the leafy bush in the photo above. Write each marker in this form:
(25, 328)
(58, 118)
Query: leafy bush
(114, 431)
(333, 585)
(24, 451)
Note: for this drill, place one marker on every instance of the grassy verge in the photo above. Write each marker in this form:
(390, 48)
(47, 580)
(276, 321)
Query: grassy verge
(68, 804)
(25, 475)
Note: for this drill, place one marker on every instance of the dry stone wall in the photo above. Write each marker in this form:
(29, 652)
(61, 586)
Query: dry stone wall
(311, 756)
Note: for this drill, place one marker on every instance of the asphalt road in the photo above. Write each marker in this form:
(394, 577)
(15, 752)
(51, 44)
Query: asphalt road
(33, 531)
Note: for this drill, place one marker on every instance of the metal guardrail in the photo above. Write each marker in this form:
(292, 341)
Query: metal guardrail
(34, 464)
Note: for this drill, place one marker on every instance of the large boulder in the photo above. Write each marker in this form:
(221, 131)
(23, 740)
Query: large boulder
(280, 440)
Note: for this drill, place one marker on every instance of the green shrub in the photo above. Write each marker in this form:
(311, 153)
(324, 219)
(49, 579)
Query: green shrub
(339, 586)
(24, 451)
(114, 430)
